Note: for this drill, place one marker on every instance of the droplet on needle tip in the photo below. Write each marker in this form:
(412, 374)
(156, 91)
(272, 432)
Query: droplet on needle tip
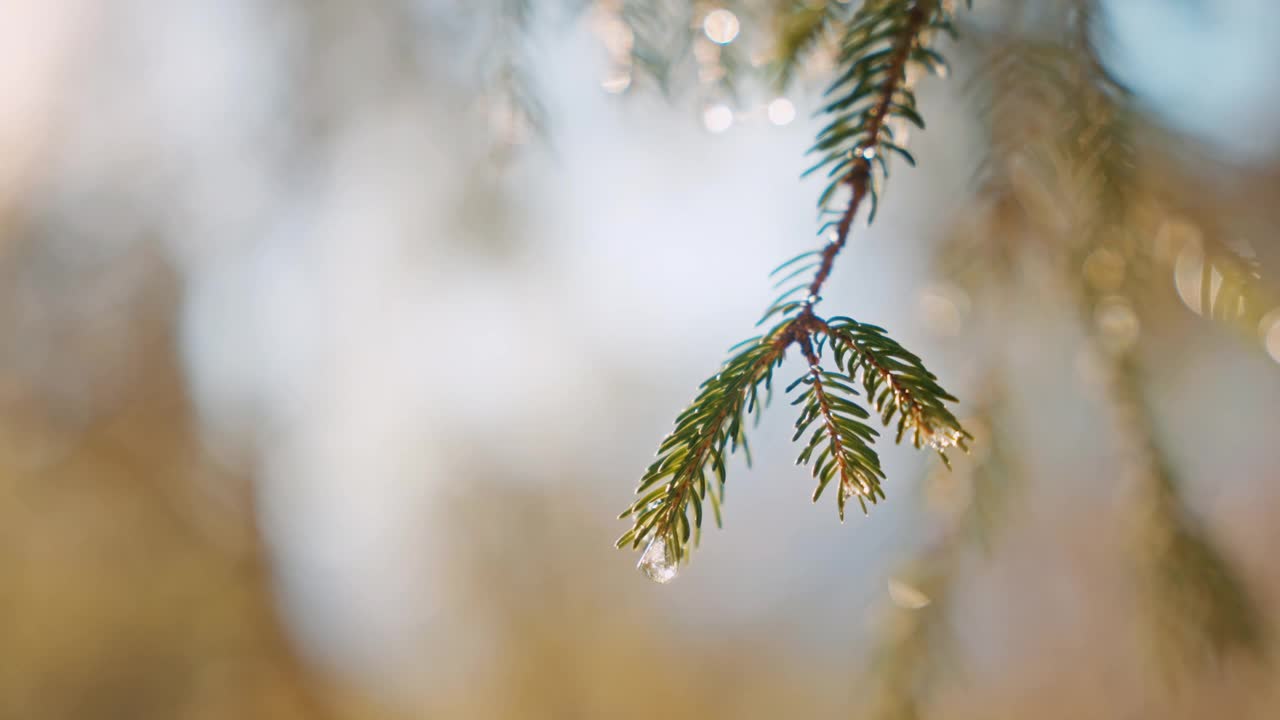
(656, 563)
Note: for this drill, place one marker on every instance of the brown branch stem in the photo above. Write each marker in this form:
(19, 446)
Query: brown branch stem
(848, 480)
(859, 177)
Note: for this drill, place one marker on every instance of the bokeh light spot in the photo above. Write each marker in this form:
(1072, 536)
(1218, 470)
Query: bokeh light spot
(907, 596)
(718, 118)
(781, 112)
(1269, 329)
(721, 26)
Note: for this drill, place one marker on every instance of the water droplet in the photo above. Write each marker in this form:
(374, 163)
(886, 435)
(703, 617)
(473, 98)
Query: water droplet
(848, 490)
(656, 563)
(812, 300)
(940, 440)
(868, 152)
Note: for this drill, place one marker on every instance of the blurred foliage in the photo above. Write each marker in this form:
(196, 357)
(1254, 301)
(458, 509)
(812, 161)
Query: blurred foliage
(1086, 156)
(125, 590)
(135, 580)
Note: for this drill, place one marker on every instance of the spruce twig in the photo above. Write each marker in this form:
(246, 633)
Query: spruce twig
(881, 40)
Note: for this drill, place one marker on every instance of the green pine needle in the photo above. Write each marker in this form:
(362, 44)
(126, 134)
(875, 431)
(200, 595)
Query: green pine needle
(880, 41)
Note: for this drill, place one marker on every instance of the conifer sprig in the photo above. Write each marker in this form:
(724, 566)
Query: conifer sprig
(715, 420)
(882, 39)
(841, 439)
(897, 383)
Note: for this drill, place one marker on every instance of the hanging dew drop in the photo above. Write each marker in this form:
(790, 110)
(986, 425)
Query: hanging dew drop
(846, 492)
(941, 440)
(849, 491)
(656, 563)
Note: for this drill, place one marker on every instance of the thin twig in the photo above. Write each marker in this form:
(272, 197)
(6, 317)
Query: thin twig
(859, 176)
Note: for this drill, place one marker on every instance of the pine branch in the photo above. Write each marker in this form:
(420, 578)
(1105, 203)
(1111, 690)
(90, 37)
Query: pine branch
(678, 478)
(897, 383)
(882, 39)
(842, 441)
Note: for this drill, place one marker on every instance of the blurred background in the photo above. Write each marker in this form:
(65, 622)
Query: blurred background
(334, 335)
